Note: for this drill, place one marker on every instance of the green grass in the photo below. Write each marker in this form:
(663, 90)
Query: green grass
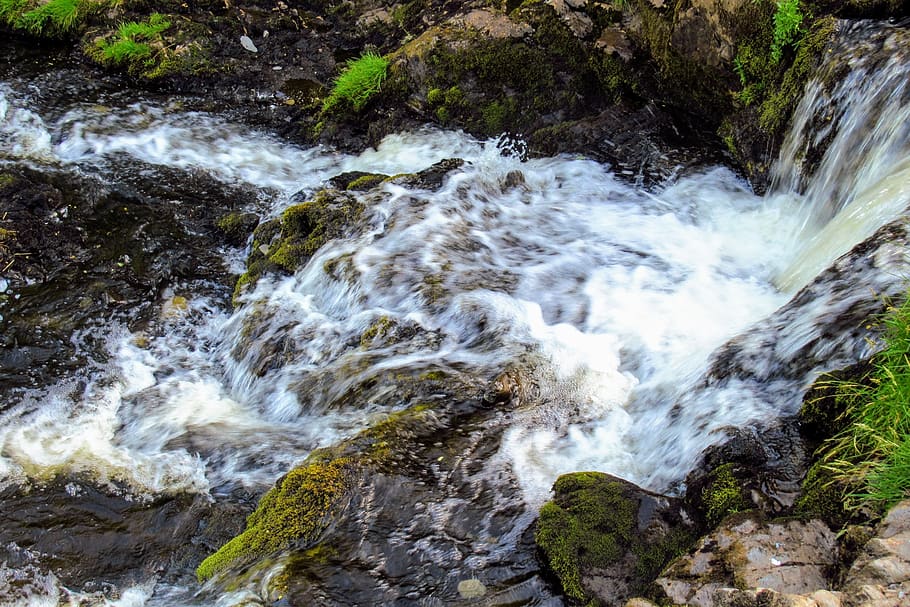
(59, 16)
(361, 79)
(53, 18)
(872, 454)
(787, 22)
(132, 44)
(11, 9)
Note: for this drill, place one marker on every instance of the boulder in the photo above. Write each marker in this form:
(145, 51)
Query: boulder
(605, 539)
(788, 557)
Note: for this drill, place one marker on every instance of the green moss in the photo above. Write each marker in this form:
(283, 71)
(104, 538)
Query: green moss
(237, 225)
(823, 497)
(377, 330)
(286, 244)
(295, 511)
(436, 97)
(723, 495)
(779, 105)
(367, 182)
(588, 524)
(6, 179)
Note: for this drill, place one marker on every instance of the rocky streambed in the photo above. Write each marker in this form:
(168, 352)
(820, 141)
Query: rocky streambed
(416, 341)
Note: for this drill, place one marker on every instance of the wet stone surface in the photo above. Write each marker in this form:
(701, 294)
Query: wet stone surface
(79, 251)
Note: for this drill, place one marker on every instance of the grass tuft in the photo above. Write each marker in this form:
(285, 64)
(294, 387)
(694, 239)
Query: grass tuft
(52, 18)
(872, 453)
(134, 45)
(358, 83)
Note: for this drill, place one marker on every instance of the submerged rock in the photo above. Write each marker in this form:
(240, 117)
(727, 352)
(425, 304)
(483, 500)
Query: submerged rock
(92, 538)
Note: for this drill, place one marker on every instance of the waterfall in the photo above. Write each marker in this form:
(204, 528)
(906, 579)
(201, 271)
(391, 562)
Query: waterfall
(640, 323)
(847, 155)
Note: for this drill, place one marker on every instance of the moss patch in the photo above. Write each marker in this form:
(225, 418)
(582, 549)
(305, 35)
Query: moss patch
(723, 495)
(295, 511)
(592, 523)
(152, 47)
(286, 244)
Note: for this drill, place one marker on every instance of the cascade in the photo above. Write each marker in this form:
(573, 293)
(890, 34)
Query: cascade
(636, 326)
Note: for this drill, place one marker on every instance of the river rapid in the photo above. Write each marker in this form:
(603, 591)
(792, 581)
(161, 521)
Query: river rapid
(641, 322)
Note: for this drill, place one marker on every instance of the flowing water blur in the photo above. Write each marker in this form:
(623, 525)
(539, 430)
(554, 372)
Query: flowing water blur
(614, 301)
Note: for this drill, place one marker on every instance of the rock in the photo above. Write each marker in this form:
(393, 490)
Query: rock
(471, 589)
(788, 557)
(247, 43)
(605, 539)
(84, 533)
(880, 575)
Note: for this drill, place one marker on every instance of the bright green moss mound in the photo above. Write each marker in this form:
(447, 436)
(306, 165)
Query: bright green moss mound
(723, 495)
(593, 523)
(360, 81)
(588, 524)
(295, 511)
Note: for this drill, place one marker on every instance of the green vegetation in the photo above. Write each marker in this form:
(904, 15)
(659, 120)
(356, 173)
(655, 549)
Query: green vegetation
(867, 462)
(592, 522)
(138, 46)
(285, 245)
(787, 22)
(53, 18)
(723, 495)
(358, 83)
(297, 509)
(57, 15)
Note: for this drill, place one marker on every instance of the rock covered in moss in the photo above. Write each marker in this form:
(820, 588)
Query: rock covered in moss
(606, 539)
(286, 244)
(295, 511)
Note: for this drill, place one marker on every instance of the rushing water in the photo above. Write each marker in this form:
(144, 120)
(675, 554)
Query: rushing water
(611, 300)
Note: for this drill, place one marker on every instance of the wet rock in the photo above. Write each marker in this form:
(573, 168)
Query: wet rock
(606, 539)
(285, 245)
(358, 181)
(79, 249)
(761, 467)
(433, 177)
(416, 514)
(790, 557)
(90, 536)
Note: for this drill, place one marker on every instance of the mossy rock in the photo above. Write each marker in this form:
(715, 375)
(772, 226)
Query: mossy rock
(821, 414)
(723, 495)
(303, 504)
(357, 181)
(599, 525)
(237, 226)
(150, 46)
(823, 497)
(295, 511)
(286, 244)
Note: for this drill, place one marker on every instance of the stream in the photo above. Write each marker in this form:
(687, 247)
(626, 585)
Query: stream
(639, 325)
